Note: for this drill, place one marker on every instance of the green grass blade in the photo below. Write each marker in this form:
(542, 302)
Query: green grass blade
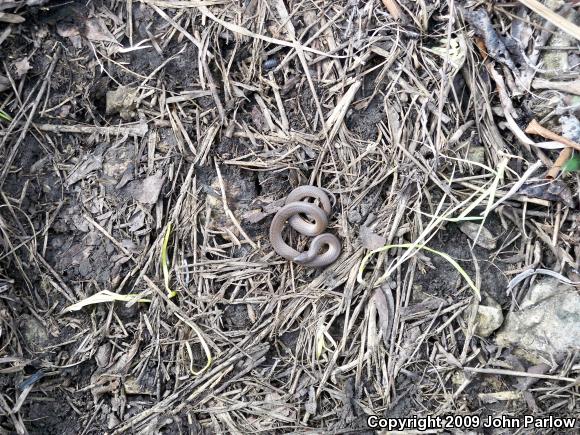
(412, 245)
(5, 116)
(573, 163)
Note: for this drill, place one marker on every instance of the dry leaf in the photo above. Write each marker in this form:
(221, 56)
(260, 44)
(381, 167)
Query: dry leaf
(385, 308)
(147, 191)
(553, 191)
(90, 164)
(485, 240)
(5, 17)
(95, 30)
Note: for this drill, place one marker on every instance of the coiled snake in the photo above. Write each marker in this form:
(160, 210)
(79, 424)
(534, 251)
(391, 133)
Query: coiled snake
(293, 209)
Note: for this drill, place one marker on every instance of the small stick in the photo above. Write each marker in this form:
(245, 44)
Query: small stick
(516, 373)
(266, 113)
(534, 127)
(140, 129)
(276, 89)
(518, 185)
(228, 211)
(557, 223)
(393, 8)
(565, 154)
(135, 129)
(572, 87)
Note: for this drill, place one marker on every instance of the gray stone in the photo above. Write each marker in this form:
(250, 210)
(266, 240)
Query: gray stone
(34, 333)
(123, 101)
(489, 316)
(547, 322)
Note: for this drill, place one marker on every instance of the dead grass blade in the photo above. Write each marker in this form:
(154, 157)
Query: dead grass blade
(103, 297)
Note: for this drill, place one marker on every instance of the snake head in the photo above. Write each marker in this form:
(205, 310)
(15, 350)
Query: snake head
(303, 258)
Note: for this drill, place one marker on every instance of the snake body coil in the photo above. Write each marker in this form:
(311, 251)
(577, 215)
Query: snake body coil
(291, 212)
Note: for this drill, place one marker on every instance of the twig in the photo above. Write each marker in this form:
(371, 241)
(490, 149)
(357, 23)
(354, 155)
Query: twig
(6, 17)
(515, 373)
(139, 130)
(519, 184)
(565, 154)
(393, 8)
(572, 87)
(229, 212)
(174, 24)
(534, 127)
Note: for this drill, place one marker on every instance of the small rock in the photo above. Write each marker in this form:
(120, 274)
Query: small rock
(103, 355)
(117, 160)
(167, 140)
(548, 321)
(113, 421)
(123, 101)
(458, 377)
(476, 153)
(21, 67)
(34, 333)
(570, 127)
(132, 386)
(489, 316)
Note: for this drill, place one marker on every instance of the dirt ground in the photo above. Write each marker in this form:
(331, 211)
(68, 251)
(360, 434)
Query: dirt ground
(145, 147)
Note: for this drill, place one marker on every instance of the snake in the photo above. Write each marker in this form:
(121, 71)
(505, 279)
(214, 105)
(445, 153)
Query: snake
(299, 223)
(291, 212)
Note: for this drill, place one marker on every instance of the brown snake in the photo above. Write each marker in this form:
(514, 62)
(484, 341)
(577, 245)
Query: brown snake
(291, 212)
